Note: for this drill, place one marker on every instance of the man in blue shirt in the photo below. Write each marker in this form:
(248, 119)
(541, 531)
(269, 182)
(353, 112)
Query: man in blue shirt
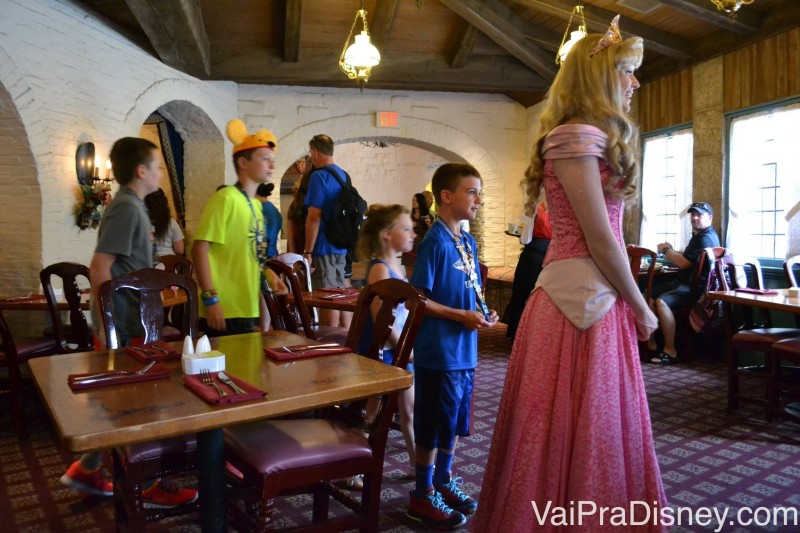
(677, 294)
(328, 261)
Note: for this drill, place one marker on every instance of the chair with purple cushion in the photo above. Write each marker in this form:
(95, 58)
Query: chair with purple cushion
(134, 464)
(13, 354)
(281, 457)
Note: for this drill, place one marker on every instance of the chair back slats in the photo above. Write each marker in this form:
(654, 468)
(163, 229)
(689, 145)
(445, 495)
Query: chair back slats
(635, 255)
(177, 264)
(149, 283)
(80, 332)
(291, 274)
(788, 268)
(737, 278)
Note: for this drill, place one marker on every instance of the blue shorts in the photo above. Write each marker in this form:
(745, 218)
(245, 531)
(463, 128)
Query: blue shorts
(388, 358)
(441, 406)
(676, 294)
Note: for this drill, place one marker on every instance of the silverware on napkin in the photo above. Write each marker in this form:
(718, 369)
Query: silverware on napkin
(113, 374)
(223, 377)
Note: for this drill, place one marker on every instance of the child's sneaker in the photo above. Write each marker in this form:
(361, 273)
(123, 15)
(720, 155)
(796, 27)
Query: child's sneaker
(95, 482)
(166, 494)
(455, 498)
(433, 512)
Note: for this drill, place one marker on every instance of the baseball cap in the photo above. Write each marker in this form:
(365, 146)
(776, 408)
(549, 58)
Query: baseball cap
(702, 208)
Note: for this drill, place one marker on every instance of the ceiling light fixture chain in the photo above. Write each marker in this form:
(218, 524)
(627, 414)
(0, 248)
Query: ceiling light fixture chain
(575, 36)
(357, 59)
(730, 6)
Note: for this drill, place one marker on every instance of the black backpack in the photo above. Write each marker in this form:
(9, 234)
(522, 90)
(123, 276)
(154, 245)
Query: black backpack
(343, 223)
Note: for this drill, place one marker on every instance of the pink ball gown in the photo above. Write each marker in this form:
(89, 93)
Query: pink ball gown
(573, 424)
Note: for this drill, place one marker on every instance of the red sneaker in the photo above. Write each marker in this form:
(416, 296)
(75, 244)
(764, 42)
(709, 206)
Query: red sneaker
(454, 497)
(95, 482)
(166, 494)
(433, 512)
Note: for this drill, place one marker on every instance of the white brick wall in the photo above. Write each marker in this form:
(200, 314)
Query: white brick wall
(68, 78)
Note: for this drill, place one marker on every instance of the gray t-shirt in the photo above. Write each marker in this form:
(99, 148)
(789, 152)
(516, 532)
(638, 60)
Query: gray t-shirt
(126, 232)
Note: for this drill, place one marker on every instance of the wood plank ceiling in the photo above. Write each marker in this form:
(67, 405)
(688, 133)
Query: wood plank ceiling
(490, 46)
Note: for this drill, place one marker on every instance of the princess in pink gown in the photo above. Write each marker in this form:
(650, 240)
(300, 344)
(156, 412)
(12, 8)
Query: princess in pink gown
(573, 431)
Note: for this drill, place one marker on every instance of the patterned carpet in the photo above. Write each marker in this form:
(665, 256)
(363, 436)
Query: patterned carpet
(708, 457)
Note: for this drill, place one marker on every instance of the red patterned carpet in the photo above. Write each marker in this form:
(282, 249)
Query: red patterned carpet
(708, 457)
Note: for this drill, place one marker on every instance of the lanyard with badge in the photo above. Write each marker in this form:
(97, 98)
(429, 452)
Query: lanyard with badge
(465, 251)
(260, 234)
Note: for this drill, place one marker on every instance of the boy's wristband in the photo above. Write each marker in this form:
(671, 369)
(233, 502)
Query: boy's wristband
(205, 295)
(208, 302)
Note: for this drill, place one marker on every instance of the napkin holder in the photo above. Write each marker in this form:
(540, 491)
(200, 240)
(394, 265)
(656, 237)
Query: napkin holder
(213, 361)
(794, 292)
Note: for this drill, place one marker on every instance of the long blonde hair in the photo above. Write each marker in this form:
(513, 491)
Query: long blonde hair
(588, 88)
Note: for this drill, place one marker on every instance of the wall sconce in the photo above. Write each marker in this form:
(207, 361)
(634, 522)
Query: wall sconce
(357, 59)
(84, 163)
(575, 36)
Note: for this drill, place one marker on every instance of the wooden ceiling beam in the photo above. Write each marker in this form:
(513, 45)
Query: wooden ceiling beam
(496, 20)
(175, 29)
(411, 71)
(745, 22)
(381, 24)
(598, 19)
(291, 35)
(462, 48)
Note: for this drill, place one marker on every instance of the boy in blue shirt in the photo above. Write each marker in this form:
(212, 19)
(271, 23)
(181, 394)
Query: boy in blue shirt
(446, 350)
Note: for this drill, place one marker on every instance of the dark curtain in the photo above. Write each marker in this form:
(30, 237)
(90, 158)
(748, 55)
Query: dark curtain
(172, 152)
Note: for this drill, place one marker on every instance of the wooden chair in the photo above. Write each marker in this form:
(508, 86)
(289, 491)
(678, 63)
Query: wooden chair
(745, 333)
(785, 381)
(13, 354)
(635, 255)
(136, 463)
(185, 267)
(301, 456)
(289, 314)
(77, 335)
(788, 268)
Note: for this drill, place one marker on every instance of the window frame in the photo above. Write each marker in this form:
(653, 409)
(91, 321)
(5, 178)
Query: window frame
(769, 264)
(643, 137)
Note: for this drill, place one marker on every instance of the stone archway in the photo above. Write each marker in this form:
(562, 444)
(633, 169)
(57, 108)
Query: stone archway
(196, 117)
(20, 192)
(441, 139)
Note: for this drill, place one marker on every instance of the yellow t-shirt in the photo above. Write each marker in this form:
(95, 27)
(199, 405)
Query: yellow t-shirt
(230, 221)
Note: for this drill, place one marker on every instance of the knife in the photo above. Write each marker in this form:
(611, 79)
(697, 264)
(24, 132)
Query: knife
(314, 347)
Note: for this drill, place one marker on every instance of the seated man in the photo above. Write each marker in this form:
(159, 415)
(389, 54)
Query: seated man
(670, 297)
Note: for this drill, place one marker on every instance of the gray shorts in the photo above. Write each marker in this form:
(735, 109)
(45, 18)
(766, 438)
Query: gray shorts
(328, 271)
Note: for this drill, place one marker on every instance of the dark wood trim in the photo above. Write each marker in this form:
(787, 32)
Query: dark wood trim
(175, 29)
(744, 23)
(291, 37)
(381, 24)
(598, 19)
(463, 47)
(496, 20)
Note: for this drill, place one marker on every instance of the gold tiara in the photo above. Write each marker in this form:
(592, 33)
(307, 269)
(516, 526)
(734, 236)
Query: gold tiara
(612, 36)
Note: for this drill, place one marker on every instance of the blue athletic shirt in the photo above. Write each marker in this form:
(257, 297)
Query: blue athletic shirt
(440, 273)
(323, 191)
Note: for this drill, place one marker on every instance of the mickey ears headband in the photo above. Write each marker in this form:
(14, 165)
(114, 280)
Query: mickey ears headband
(237, 133)
(612, 36)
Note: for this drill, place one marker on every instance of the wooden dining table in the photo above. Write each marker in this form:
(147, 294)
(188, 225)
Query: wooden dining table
(327, 300)
(120, 414)
(38, 302)
(774, 302)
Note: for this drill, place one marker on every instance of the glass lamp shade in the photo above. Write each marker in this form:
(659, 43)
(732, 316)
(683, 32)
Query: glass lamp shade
(575, 36)
(362, 53)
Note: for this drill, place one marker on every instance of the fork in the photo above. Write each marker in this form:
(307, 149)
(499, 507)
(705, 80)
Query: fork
(117, 373)
(206, 379)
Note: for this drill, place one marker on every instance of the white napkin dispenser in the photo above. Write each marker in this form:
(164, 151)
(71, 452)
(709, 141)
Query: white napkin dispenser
(213, 361)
